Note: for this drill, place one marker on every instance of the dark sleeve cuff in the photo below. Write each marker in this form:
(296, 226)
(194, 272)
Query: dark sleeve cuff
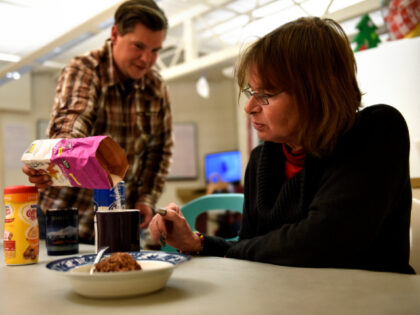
(215, 246)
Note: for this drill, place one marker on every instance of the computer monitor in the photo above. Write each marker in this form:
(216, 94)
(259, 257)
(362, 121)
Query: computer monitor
(226, 164)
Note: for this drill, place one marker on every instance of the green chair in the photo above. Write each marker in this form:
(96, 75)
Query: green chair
(223, 201)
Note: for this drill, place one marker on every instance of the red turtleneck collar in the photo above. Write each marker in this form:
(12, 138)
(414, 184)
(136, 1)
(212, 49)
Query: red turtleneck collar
(294, 160)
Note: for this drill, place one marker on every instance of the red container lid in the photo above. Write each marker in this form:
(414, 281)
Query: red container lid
(20, 189)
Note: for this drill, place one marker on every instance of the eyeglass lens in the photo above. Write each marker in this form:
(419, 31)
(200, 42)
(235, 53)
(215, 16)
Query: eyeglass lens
(260, 98)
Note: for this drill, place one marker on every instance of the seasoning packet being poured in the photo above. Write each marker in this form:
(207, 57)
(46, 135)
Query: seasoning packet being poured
(96, 162)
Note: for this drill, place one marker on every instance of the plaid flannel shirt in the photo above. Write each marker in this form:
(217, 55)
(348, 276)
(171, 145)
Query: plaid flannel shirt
(90, 100)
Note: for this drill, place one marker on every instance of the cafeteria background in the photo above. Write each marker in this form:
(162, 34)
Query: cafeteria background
(197, 60)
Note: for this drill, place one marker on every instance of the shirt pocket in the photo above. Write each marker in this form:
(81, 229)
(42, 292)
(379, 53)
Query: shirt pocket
(148, 121)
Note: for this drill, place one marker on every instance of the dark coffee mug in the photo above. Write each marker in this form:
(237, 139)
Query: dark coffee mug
(119, 229)
(62, 237)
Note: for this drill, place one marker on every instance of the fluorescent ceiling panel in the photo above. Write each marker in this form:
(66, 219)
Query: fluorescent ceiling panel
(242, 6)
(262, 2)
(216, 16)
(177, 18)
(341, 4)
(261, 27)
(9, 57)
(236, 22)
(272, 8)
(232, 37)
(315, 7)
(34, 23)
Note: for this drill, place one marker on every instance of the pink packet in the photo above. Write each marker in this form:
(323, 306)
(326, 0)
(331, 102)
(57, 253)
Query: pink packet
(96, 162)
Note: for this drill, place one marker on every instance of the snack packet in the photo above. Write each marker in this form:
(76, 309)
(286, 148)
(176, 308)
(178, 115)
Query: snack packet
(96, 162)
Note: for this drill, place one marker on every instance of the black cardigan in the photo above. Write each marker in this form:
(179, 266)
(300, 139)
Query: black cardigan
(348, 210)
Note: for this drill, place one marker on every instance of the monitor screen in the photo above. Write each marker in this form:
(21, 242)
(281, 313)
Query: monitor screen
(225, 164)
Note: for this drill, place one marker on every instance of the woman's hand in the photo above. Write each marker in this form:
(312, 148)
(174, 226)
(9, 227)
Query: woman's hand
(172, 228)
(36, 177)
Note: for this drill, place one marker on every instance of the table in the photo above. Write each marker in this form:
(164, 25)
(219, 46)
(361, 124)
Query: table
(211, 285)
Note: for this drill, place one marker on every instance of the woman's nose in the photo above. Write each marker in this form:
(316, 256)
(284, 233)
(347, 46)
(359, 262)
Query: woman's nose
(252, 106)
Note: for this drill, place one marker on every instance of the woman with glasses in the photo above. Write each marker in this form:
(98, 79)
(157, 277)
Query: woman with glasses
(329, 186)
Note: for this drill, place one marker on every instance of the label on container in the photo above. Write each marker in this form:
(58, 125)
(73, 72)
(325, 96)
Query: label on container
(21, 232)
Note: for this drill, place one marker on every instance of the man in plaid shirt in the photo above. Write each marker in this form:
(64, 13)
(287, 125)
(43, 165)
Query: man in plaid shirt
(114, 91)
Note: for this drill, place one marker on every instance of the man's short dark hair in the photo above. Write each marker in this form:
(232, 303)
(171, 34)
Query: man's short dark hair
(146, 12)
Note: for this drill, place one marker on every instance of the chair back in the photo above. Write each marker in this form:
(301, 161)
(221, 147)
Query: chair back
(415, 236)
(223, 201)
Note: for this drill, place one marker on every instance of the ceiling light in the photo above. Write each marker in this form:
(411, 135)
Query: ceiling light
(236, 22)
(315, 7)
(13, 75)
(242, 6)
(261, 27)
(9, 57)
(202, 87)
(217, 16)
(341, 4)
(271, 8)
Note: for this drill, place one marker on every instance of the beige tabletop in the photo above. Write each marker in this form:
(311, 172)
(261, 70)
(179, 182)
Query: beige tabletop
(210, 285)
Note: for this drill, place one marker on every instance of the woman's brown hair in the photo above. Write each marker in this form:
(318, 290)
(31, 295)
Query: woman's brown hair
(311, 59)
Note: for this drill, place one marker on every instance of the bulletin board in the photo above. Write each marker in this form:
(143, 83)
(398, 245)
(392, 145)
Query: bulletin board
(184, 159)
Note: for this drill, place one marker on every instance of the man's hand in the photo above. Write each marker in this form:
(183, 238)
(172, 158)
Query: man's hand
(146, 213)
(41, 181)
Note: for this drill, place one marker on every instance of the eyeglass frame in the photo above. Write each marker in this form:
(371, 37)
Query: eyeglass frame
(260, 98)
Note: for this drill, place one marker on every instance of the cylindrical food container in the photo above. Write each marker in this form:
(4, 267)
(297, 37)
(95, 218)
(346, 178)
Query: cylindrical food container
(21, 232)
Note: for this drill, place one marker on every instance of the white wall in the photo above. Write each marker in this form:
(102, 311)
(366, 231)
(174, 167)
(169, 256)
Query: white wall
(16, 95)
(216, 121)
(390, 74)
(41, 88)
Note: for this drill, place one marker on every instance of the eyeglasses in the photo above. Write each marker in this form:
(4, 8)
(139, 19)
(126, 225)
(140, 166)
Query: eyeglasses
(260, 98)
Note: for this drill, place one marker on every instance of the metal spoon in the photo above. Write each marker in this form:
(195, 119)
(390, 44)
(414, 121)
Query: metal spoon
(98, 259)
(161, 211)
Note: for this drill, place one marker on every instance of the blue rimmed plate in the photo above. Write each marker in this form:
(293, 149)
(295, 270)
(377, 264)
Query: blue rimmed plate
(157, 268)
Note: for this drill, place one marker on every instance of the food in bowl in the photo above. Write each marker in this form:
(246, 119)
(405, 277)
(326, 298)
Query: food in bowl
(117, 262)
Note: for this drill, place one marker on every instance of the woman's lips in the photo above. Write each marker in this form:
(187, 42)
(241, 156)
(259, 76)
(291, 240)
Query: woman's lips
(257, 126)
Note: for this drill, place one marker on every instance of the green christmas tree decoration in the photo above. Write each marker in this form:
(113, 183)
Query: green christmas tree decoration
(367, 37)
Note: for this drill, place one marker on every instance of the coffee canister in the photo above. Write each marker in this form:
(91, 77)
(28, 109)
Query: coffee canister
(21, 231)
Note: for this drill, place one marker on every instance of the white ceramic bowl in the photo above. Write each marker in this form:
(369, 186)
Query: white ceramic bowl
(156, 267)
